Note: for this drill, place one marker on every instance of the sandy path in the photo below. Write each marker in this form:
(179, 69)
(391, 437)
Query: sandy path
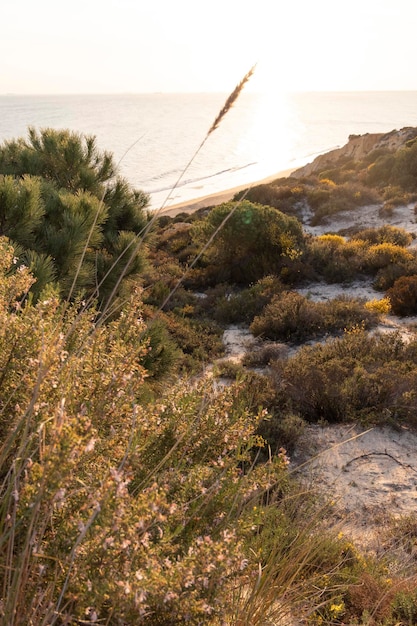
(370, 475)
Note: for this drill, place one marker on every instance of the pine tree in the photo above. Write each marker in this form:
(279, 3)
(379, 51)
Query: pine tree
(70, 215)
(21, 208)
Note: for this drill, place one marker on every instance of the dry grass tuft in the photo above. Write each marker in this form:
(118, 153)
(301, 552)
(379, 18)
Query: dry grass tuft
(231, 100)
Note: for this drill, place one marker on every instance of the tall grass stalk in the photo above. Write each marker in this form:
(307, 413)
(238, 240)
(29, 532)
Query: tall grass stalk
(230, 101)
(138, 242)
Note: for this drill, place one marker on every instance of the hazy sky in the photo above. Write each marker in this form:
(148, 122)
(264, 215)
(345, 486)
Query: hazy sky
(114, 46)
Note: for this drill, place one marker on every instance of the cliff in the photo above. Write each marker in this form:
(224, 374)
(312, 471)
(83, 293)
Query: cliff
(358, 147)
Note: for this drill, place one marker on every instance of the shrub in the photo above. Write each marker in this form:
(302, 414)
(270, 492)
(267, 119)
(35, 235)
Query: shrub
(334, 259)
(242, 306)
(398, 200)
(379, 172)
(383, 254)
(401, 537)
(369, 599)
(385, 234)
(264, 354)
(404, 172)
(386, 276)
(345, 313)
(395, 169)
(381, 307)
(404, 605)
(354, 377)
(198, 340)
(333, 241)
(284, 194)
(330, 198)
(292, 316)
(281, 431)
(288, 316)
(252, 241)
(388, 262)
(227, 368)
(114, 508)
(403, 296)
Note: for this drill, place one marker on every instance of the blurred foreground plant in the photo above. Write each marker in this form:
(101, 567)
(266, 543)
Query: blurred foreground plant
(111, 508)
(120, 511)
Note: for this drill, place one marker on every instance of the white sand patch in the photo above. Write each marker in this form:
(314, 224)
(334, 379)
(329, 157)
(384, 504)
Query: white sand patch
(237, 341)
(405, 326)
(322, 292)
(366, 217)
(369, 474)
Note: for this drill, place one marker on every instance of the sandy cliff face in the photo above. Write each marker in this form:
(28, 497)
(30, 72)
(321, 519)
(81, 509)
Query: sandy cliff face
(357, 148)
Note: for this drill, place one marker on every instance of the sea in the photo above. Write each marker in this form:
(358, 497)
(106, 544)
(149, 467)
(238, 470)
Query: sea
(162, 146)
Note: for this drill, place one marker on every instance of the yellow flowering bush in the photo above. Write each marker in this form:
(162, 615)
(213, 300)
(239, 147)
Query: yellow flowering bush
(381, 306)
(382, 254)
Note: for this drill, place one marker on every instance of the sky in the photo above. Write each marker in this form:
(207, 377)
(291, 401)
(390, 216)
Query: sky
(137, 46)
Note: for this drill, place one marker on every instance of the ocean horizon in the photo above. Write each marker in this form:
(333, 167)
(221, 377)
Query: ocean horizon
(155, 138)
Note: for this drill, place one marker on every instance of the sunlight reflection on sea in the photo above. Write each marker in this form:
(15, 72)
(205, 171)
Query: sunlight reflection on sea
(156, 135)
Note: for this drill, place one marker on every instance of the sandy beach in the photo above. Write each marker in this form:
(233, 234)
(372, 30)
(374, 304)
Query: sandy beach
(217, 198)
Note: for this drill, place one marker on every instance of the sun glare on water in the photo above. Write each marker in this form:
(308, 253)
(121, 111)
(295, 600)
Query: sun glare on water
(271, 132)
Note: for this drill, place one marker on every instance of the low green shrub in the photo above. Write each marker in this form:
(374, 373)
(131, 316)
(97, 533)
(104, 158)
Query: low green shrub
(404, 605)
(290, 316)
(387, 262)
(329, 198)
(199, 340)
(228, 369)
(263, 354)
(379, 171)
(281, 431)
(386, 276)
(241, 306)
(285, 194)
(334, 259)
(252, 241)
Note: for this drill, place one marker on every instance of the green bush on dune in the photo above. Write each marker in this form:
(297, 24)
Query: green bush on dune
(250, 241)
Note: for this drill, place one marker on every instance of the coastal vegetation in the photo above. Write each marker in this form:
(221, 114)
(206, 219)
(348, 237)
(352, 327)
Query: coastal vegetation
(137, 489)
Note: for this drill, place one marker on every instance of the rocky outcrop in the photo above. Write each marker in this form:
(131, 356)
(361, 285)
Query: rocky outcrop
(357, 148)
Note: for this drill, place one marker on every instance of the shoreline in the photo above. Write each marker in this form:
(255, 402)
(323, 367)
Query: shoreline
(189, 206)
